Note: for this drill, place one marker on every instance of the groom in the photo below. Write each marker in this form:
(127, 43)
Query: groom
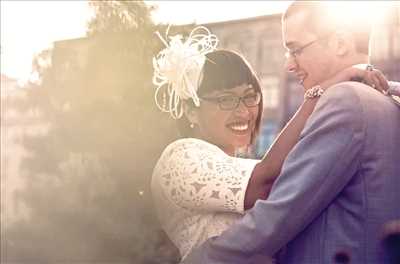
(341, 182)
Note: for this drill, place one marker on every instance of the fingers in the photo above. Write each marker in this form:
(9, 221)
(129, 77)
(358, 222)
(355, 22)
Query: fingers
(375, 83)
(369, 80)
(384, 84)
(377, 80)
(368, 75)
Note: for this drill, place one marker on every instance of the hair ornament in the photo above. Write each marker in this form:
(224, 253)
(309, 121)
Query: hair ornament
(177, 68)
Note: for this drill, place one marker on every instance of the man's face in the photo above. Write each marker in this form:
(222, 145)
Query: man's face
(314, 60)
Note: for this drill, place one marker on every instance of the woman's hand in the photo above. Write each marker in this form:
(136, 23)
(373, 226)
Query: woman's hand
(367, 75)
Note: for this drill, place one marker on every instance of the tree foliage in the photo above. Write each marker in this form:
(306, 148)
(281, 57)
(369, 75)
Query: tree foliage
(87, 179)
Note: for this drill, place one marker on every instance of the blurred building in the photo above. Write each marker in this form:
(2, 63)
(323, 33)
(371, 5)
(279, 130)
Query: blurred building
(385, 44)
(259, 39)
(10, 152)
(68, 56)
(15, 124)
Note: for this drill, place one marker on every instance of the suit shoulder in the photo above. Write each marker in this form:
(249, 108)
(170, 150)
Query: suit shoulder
(352, 95)
(355, 94)
(345, 94)
(350, 90)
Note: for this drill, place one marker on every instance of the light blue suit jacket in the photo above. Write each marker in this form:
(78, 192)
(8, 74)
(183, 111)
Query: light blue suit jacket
(338, 187)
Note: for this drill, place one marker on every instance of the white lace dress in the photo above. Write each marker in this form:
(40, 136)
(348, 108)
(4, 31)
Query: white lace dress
(198, 191)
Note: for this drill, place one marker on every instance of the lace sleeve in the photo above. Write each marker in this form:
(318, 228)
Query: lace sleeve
(197, 175)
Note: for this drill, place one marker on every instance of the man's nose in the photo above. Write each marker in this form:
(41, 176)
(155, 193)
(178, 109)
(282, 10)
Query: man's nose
(290, 64)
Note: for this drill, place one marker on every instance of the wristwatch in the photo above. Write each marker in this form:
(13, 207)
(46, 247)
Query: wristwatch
(313, 92)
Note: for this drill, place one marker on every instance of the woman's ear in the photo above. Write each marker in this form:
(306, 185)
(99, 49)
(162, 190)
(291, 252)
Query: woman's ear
(190, 112)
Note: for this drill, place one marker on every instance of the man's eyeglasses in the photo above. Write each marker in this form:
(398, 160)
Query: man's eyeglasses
(294, 53)
(231, 102)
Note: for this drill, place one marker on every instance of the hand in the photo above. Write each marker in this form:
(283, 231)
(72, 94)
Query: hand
(367, 75)
(362, 73)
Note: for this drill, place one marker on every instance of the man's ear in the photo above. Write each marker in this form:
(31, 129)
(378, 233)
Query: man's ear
(190, 112)
(344, 43)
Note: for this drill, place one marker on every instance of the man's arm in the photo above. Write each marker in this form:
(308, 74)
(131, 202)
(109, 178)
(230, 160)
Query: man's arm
(316, 170)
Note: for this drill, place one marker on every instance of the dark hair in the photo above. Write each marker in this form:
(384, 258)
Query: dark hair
(224, 69)
(318, 21)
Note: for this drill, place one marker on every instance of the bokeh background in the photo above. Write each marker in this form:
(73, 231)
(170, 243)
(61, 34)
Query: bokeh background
(80, 132)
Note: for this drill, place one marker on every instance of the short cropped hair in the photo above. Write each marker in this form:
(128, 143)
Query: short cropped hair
(317, 21)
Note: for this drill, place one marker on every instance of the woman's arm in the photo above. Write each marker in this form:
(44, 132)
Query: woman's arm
(265, 172)
(269, 168)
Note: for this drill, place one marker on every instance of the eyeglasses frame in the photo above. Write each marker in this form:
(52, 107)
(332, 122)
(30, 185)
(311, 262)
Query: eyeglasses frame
(238, 100)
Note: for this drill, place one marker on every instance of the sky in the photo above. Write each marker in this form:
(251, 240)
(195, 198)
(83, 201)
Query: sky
(182, 12)
(28, 27)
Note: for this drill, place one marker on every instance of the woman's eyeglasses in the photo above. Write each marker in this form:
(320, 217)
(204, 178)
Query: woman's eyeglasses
(231, 102)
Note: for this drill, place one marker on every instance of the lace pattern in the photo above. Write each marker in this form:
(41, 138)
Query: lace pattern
(198, 191)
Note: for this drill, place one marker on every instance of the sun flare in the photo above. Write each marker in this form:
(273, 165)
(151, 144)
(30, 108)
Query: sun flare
(371, 12)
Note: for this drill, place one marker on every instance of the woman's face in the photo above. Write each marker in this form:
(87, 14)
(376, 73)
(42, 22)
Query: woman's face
(220, 122)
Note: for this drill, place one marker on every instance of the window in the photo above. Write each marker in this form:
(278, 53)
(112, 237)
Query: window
(248, 47)
(272, 55)
(245, 43)
(267, 136)
(270, 90)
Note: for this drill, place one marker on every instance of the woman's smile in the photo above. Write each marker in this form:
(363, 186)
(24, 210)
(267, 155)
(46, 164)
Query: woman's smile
(240, 127)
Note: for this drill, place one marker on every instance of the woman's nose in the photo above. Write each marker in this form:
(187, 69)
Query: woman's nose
(242, 108)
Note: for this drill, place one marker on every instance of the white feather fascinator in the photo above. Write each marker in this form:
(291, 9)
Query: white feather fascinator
(177, 69)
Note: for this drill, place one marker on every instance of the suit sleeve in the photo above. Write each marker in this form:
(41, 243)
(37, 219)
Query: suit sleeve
(316, 170)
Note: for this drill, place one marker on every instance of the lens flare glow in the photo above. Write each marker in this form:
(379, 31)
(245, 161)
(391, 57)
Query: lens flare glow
(371, 12)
